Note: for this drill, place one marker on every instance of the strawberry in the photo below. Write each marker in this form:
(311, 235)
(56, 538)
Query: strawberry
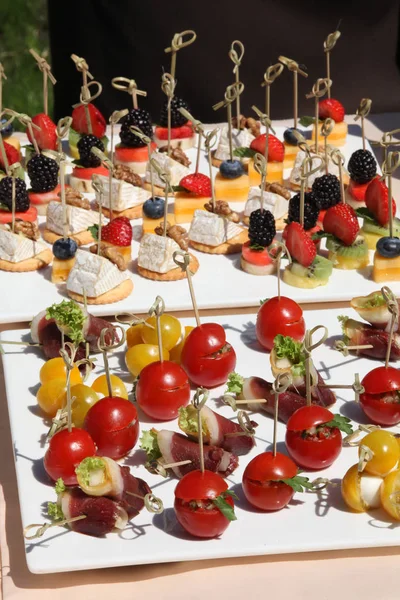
(341, 221)
(117, 232)
(276, 150)
(47, 136)
(332, 109)
(197, 183)
(79, 122)
(357, 190)
(377, 201)
(299, 244)
(11, 153)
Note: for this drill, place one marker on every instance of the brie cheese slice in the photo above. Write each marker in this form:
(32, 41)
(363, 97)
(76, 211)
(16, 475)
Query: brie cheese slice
(155, 253)
(123, 194)
(241, 138)
(173, 169)
(15, 247)
(211, 229)
(272, 202)
(78, 219)
(93, 274)
(296, 171)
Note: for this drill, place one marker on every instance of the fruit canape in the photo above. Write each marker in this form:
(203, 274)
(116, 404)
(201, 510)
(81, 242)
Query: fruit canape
(21, 249)
(43, 176)
(307, 269)
(347, 248)
(192, 193)
(295, 175)
(174, 170)
(256, 258)
(153, 213)
(117, 235)
(127, 193)
(44, 136)
(275, 153)
(132, 151)
(386, 266)
(375, 215)
(12, 157)
(23, 210)
(88, 164)
(182, 132)
(241, 140)
(79, 127)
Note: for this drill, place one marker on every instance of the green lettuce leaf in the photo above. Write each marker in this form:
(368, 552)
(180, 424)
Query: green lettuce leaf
(149, 443)
(60, 486)
(70, 318)
(234, 383)
(244, 152)
(287, 347)
(187, 421)
(85, 468)
(54, 511)
(376, 299)
(223, 506)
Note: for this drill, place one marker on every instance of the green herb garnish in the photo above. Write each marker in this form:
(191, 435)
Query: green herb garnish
(287, 347)
(244, 152)
(299, 483)
(70, 319)
(224, 507)
(87, 466)
(342, 423)
(54, 511)
(149, 443)
(235, 383)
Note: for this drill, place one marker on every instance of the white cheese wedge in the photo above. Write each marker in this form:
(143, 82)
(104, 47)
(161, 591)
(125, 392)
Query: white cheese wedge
(211, 229)
(272, 202)
(78, 219)
(124, 194)
(296, 171)
(15, 247)
(94, 275)
(240, 139)
(155, 253)
(174, 170)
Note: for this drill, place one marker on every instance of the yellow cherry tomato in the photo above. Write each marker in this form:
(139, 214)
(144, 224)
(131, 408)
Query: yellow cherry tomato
(176, 352)
(83, 398)
(385, 449)
(142, 355)
(361, 491)
(134, 335)
(390, 494)
(52, 396)
(118, 387)
(171, 331)
(55, 368)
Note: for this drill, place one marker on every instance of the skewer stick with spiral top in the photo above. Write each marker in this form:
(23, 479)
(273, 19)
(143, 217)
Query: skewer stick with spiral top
(339, 160)
(293, 66)
(237, 58)
(308, 168)
(231, 94)
(210, 139)
(177, 43)
(319, 89)
(123, 84)
(363, 111)
(86, 98)
(168, 84)
(326, 130)
(270, 75)
(47, 74)
(329, 44)
(265, 120)
(199, 129)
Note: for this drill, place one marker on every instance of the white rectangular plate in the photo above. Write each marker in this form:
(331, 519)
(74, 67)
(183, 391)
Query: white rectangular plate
(219, 283)
(310, 523)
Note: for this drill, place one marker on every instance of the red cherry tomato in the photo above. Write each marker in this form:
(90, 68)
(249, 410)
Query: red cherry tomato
(113, 424)
(262, 481)
(66, 450)
(162, 388)
(310, 443)
(192, 494)
(207, 358)
(381, 399)
(279, 316)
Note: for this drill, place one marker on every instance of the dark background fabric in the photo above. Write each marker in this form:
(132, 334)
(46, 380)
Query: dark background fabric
(127, 38)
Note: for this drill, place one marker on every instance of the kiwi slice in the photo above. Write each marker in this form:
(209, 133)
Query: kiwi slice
(373, 227)
(357, 250)
(321, 268)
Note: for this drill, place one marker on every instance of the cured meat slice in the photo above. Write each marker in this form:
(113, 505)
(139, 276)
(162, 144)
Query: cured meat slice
(216, 430)
(102, 515)
(360, 334)
(173, 447)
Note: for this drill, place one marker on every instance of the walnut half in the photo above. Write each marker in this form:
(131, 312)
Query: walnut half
(178, 155)
(176, 233)
(29, 230)
(111, 253)
(75, 198)
(222, 208)
(125, 173)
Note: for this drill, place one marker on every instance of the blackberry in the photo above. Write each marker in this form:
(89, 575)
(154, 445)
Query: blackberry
(21, 194)
(362, 166)
(140, 118)
(86, 157)
(311, 210)
(177, 119)
(261, 228)
(326, 191)
(43, 173)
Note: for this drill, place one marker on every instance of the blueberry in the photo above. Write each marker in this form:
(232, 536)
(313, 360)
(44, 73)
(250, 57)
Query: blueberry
(7, 131)
(388, 247)
(231, 169)
(153, 208)
(64, 248)
(289, 137)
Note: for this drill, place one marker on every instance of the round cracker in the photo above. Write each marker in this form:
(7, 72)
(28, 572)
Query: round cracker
(158, 191)
(232, 246)
(123, 290)
(135, 212)
(173, 275)
(82, 238)
(35, 263)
